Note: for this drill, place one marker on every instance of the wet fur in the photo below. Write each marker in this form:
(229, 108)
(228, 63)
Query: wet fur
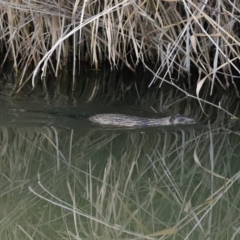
(121, 120)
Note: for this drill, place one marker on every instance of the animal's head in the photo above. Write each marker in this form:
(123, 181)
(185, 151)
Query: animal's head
(178, 119)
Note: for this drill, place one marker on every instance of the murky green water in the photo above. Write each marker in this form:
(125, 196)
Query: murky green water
(63, 177)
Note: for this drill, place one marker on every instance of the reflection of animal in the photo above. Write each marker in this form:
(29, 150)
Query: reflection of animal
(121, 120)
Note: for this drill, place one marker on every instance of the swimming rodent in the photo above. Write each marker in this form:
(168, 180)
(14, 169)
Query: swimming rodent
(122, 120)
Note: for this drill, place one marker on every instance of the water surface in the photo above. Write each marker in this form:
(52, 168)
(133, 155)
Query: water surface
(63, 177)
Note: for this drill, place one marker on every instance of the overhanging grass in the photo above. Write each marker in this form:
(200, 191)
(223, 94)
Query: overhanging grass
(175, 35)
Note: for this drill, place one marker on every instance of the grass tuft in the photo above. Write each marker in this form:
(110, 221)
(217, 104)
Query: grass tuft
(177, 35)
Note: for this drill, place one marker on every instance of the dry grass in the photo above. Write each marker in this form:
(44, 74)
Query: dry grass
(177, 35)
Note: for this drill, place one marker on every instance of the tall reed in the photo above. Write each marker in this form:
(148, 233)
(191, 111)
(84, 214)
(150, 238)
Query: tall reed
(177, 35)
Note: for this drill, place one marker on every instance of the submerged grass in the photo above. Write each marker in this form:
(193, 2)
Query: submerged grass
(101, 185)
(177, 35)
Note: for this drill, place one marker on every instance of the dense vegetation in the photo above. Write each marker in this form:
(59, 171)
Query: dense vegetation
(169, 36)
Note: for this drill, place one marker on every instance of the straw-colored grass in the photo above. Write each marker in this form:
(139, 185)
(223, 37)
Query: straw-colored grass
(177, 35)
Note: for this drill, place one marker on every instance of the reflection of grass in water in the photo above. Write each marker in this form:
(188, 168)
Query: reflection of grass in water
(118, 186)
